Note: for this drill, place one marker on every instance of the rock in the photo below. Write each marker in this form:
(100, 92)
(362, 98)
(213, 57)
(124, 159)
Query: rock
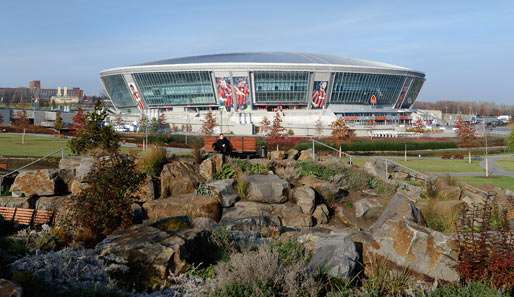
(190, 205)
(472, 198)
(17, 202)
(305, 197)
(85, 167)
(155, 253)
(225, 190)
(287, 214)
(146, 191)
(179, 177)
(286, 170)
(51, 203)
(321, 214)
(207, 170)
(9, 289)
(204, 223)
(277, 155)
(305, 155)
(335, 253)
(509, 193)
(429, 254)
(267, 189)
(368, 207)
(399, 175)
(138, 214)
(400, 207)
(217, 161)
(78, 187)
(292, 154)
(40, 182)
(327, 190)
(342, 217)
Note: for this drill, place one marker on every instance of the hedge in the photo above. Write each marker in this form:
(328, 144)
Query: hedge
(367, 146)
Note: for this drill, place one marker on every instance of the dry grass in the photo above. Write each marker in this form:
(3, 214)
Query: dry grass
(383, 280)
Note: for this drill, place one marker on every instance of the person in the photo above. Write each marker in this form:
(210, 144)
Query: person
(222, 145)
(319, 96)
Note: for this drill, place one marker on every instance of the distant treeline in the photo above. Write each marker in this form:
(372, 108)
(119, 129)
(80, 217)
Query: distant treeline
(467, 107)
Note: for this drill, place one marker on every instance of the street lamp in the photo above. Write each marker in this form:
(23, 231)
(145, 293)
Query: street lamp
(486, 161)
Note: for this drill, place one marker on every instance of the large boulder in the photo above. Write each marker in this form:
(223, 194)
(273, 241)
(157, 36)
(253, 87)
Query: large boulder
(286, 170)
(51, 202)
(267, 188)
(327, 190)
(207, 170)
(305, 197)
(190, 205)
(146, 191)
(367, 207)
(179, 177)
(287, 214)
(9, 289)
(277, 155)
(429, 254)
(154, 252)
(336, 253)
(16, 202)
(305, 155)
(399, 207)
(292, 154)
(321, 214)
(225, 190)
(40, 182)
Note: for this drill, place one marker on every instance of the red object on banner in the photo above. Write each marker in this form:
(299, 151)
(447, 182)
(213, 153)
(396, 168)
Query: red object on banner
(373, 100)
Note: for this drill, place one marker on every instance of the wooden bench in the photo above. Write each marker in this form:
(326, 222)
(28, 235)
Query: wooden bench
(26, 216)
(4, 166)
(240, 144)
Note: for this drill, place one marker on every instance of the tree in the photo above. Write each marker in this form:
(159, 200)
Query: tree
(143, 122)
(59, 124)
(106, 203)
(510, 141)
(154, 125)
(79, 119)
(95, 134)
(340, 131)
(276, 132)
(208, 124)
(318, 125)
(466, 134)
(265, 125)
(22, 122)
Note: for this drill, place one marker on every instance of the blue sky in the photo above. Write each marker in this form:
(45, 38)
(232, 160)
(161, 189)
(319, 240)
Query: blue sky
(466, 48)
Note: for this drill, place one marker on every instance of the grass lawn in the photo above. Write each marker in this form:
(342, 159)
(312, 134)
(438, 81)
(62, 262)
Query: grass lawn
(440, 165)
(504, 182)
(506, 163)
(34, 146)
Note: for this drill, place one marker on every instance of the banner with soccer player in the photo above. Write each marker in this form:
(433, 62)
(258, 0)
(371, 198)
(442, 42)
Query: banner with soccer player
(319, 94)
(233, 92)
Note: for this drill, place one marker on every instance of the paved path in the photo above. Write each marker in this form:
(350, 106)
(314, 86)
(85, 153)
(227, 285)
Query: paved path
(173, 150)
(494, 169)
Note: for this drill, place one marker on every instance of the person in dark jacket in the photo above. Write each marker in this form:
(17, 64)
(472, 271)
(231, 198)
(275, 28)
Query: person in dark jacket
(222, 145)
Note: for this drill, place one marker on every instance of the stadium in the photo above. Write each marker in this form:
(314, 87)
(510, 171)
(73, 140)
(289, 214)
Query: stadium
(243, 88)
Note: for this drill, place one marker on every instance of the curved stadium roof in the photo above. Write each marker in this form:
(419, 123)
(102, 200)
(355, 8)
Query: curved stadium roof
(273, 57)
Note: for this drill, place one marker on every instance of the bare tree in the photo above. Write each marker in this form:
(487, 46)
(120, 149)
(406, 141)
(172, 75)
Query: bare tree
(208, 124)
(341, 132)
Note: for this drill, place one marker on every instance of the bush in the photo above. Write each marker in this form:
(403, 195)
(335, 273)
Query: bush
(106, 204)
(95, 134)
(468, 290)
(308, 168)
(382, 145)
(226, 172)
(152, 161)
(438, 222)
(250, 168)
(264, 273)
(385, 281)
(486, 247)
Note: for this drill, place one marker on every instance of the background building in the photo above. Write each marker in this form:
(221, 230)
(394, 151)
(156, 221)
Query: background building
(307, 87)
(34, 91)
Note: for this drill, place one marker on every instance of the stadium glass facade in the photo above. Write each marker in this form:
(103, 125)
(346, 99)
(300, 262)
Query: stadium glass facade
(265, 79)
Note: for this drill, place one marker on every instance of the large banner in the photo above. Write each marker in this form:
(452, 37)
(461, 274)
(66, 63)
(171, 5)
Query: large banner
(319, 94)
(233, 92)
(403, 92)
(134, 92)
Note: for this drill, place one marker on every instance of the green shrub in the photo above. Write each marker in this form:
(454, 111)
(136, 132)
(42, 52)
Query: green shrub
(95, 134)
(106, 204)
(290, 251)
(383, 280)
(250, 168)
(468, 290)
(152, 161)
(241, 187)
(227, 171)
(309, 168)
(244, 290)
(381, 145)
(204, 190)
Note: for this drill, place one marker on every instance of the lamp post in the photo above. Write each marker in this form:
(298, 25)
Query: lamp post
(486, 161)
